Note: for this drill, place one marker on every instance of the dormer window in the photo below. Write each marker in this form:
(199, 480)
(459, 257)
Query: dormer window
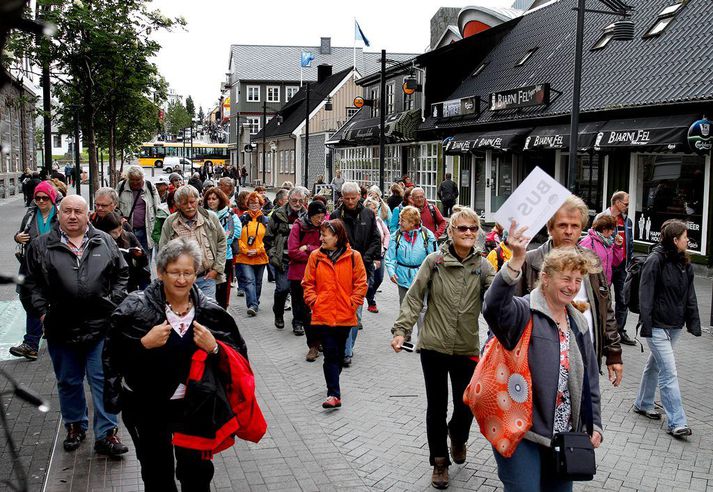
(527, 56)
(606, 36)
(665, 18)
(480, 69)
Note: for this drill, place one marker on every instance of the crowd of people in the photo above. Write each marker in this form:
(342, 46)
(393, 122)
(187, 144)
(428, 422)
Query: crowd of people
(126, 294)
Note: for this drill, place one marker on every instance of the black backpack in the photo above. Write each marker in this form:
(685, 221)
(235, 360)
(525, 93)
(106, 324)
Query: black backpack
(631, 283)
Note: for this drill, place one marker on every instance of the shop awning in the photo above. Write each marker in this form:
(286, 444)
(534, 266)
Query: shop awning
(662, 132)
(502, 140)
(398, 127)
(557, 137)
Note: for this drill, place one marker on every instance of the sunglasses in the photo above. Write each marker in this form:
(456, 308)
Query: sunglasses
(41, 198)
(463, 228)
(329, 226)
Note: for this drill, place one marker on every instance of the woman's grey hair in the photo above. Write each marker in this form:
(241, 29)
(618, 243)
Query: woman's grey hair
(281, 194)
(108, 191)
(375, 189)
(184, 193)
(176, 248)
(135, 171)
(227, 181)
(351, 187)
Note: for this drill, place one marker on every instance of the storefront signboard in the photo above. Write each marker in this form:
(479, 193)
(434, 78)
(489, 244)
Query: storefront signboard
(648, 228)
(522, 97)
(699, 137)
(456, 107)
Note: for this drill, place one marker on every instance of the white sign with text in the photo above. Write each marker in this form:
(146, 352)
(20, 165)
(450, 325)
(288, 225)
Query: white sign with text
(532, 203)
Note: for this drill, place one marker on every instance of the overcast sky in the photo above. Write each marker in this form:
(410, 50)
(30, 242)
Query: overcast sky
(194, 61)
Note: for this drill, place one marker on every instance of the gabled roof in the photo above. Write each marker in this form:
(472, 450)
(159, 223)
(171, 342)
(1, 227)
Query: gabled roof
(279, 63)
(293, 113)
(674, 67)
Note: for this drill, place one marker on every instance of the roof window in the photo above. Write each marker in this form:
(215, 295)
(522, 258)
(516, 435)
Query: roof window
(606, 36)
(480, 69)
(526, 57)
(665, 17)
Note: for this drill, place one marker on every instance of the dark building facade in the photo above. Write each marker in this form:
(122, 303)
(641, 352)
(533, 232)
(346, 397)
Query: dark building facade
(17, 135)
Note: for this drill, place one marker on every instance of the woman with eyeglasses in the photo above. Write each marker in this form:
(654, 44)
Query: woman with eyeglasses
(153, 338)
(455, 278)
(38, 220)
(334, 286)
(252, 258)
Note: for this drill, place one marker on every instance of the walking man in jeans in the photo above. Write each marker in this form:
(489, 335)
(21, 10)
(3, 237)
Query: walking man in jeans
(76, 278)
(618, 210)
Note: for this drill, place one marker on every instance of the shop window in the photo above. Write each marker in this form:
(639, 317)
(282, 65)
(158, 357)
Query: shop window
(428, 170)
(606, 36)
(588, 182)
(670, 187)
(526, 57)
(665, 18)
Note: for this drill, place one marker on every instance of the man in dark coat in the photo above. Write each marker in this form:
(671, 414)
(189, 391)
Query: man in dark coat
(76, 278)
(447, 193)
(360, 223)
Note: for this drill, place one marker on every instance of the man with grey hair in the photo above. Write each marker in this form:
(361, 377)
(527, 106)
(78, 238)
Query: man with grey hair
(194, 222)
(76, 278)
(278, 230)
(364, 237)
(139, 203)
(280, 198)
(227, 186)
(431, 217)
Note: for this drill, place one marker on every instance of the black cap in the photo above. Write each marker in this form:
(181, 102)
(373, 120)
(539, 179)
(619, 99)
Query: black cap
(316, 207)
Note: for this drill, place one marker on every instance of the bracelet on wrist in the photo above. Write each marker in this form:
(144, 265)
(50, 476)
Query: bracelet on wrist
(215, 350)
(516, 272)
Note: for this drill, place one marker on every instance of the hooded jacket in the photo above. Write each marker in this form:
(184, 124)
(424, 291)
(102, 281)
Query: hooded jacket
(507, 317)
(76, 295)
(455, 293)
(154, 374)
(333, 291)
(628, 233)
(362, 231)
(667, 296)
(302, 233)
(606, 332)
(406, 252)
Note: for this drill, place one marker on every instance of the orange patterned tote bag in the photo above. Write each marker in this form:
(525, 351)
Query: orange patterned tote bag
(500, 393)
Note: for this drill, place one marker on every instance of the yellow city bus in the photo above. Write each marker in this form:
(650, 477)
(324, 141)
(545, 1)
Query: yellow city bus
(151, 154)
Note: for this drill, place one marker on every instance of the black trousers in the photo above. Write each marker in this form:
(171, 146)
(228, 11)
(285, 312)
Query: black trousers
(621, 311)
(447, 207)
(301, 315)
(437, 367)
(151, 427)
(334, 340)
(222, 291)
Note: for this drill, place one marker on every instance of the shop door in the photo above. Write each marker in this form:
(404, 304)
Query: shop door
(479, 184)
(465, 193)
(500, 183)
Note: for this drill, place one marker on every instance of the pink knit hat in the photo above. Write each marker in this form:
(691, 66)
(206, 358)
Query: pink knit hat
(48, 189)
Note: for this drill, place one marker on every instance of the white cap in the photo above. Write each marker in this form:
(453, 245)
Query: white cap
(163, 180)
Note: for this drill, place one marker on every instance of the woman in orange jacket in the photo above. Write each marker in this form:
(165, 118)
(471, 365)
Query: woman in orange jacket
(334, 286)
(252, 258)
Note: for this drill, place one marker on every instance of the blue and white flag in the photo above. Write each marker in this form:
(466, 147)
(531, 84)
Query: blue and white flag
(359, 34)
(306, 59)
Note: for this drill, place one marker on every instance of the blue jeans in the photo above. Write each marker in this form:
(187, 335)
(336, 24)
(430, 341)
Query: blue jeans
(529, 469)
(282, 290)
(71, 364)
(661, 370)
(374, 283)
(351, 340)
(207, 286)
(33, 332)
(251, 280)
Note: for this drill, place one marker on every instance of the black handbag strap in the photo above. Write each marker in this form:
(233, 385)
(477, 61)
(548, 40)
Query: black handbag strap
(587, 404)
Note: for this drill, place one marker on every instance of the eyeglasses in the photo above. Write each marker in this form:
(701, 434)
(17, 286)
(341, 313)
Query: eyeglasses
(41, 198)
(186, 275)
(463, 228)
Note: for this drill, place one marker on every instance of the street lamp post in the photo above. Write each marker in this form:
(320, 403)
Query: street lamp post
(382, 119)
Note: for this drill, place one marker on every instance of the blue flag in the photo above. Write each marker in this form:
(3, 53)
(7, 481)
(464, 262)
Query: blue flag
(306, 59)
(359, 34)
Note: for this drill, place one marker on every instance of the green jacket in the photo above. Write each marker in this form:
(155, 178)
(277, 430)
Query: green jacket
(455, 297)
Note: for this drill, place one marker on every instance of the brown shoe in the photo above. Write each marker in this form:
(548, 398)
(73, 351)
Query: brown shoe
(312, 355)
(458, 452)
(439, 479)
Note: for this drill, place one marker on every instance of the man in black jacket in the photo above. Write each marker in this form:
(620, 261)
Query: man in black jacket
(447, 193)
(364, 237)
(76, 278)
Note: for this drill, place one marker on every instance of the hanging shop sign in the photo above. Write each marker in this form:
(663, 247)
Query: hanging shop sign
(455, 107)
(699, 137)
(522, 97)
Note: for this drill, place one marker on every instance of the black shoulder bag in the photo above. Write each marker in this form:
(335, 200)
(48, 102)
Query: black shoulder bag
(573, 451)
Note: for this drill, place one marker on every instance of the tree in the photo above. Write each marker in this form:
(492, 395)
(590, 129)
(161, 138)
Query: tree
(190, 107)
(177, 118)
(201, 114)
(100, 55)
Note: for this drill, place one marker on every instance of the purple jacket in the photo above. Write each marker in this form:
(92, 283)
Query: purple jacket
(610, 256)
(301, 233)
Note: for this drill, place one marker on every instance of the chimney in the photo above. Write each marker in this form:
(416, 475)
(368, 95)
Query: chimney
(325, 46)
(323, 71)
